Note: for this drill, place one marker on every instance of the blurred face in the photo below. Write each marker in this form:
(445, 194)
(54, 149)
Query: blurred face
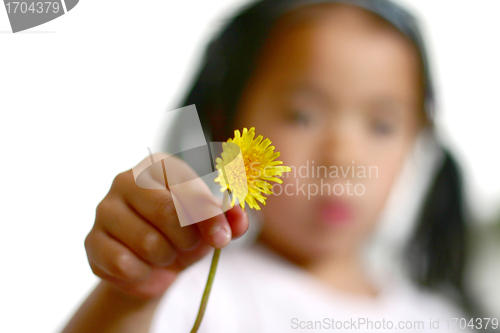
(338, 93)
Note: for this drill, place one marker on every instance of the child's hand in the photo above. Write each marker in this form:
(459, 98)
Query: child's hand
(137, 243)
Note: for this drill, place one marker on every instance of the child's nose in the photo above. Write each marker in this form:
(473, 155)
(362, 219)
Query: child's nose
(341, 144)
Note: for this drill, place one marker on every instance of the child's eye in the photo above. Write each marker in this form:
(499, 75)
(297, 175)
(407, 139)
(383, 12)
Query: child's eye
(382, 128)
(299, 117)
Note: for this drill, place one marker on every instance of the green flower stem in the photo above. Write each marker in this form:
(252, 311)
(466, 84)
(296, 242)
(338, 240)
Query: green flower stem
(211, 274)
(206, 293)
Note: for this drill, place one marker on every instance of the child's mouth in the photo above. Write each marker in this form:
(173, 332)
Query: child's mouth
(335, 212)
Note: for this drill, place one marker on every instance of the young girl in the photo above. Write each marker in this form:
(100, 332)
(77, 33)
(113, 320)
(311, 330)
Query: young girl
(341, 84)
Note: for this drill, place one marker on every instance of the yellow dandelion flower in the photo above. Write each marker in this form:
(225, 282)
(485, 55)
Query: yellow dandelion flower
(250, 178)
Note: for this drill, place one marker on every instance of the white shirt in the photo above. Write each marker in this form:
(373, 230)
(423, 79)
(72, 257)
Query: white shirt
(256, 290)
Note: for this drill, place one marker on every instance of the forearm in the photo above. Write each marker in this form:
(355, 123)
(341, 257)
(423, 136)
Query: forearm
(106, 310)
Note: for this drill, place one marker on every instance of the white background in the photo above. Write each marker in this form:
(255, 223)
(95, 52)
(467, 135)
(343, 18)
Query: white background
(79, 96)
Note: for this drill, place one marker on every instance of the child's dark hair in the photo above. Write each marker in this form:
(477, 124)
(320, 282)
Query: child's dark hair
(437, 251)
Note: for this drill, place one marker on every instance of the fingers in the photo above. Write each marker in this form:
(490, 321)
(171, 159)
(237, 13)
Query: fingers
(219, 230)
(124, 225)
(191, 199)
(158, 208)
(216, 231)
(192, 194)
(238, 221)
(113, 259)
